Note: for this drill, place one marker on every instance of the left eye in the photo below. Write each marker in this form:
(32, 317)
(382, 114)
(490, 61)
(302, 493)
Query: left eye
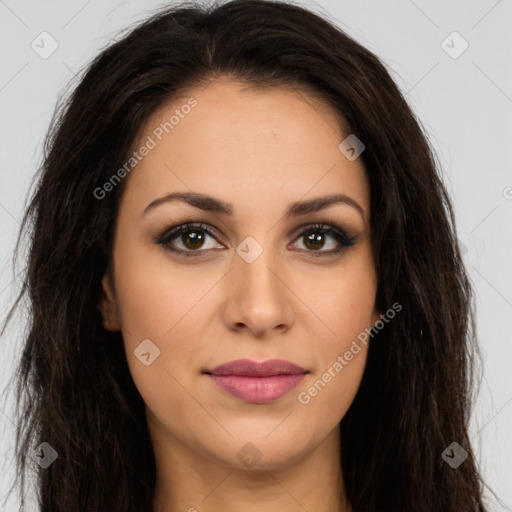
(315, 235)
(192, 238)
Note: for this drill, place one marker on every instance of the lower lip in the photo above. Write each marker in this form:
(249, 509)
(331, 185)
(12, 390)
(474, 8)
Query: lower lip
(257, 390)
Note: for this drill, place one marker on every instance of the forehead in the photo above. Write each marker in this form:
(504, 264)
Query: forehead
(232, 141)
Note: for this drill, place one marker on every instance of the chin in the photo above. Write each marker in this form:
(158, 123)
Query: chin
(256, 455)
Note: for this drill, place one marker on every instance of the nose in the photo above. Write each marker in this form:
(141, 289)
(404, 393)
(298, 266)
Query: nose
(257, 297)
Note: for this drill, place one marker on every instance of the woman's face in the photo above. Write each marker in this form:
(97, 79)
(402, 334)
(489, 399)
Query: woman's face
(251, 282)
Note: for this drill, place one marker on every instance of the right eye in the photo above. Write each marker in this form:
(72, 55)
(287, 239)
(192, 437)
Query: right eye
(191, 236)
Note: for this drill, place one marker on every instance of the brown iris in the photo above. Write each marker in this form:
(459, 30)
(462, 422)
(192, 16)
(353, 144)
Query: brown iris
(193, 239)
(314, 241)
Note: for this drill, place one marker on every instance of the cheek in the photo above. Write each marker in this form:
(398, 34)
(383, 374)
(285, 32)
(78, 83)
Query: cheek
(346, 306)
(347, 311)
(168, 317)
(156, 300)
(173, 311)
(328, 395)
(341, 355)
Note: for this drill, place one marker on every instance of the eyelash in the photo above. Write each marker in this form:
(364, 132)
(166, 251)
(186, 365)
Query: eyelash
(339, 235)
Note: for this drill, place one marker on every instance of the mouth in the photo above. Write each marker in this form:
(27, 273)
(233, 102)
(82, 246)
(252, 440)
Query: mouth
(257, 383)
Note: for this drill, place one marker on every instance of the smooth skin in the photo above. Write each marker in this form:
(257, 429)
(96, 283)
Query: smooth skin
(259, 151)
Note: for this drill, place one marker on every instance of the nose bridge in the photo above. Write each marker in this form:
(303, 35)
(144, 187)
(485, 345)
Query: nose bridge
(257, 297)
(255, 265)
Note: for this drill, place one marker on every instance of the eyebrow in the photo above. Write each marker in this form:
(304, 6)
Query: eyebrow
(211, 204)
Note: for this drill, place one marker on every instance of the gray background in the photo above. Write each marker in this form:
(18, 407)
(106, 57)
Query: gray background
(464, 103)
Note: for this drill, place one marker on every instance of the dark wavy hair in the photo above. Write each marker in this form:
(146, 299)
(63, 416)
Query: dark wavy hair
(73, 386)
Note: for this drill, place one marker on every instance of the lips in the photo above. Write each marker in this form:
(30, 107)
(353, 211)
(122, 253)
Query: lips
(248, 368)
(257, 382)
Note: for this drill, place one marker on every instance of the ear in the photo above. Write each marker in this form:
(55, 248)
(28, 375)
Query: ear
(108, 305)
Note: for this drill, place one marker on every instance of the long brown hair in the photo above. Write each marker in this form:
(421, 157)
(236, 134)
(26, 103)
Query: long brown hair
(74, 389)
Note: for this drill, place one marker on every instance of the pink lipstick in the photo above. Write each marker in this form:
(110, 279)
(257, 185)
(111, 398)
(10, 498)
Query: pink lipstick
(258, 383)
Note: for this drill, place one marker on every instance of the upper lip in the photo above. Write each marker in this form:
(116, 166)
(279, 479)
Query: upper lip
(248, 368)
